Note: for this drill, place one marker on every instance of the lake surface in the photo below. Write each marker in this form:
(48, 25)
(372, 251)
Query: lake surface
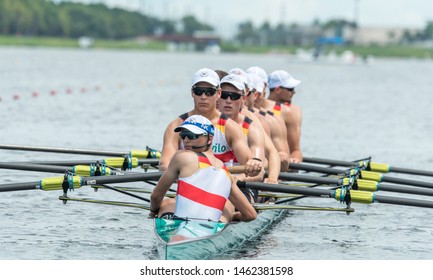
(123, 100)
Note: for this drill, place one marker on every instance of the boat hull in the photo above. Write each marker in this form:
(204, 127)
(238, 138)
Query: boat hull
(180, 240)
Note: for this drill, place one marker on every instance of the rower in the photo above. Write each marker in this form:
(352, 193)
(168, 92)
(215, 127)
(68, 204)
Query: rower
(204, 183)
(274, 126)
(205, 92)
(231, 104)
(282, 88)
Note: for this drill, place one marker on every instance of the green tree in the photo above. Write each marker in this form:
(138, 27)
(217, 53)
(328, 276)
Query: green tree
(191, 25)
(247, 34)
(428, 31)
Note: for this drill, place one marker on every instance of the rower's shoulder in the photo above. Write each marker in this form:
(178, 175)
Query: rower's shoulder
(268, 104)
(177, 121)
(291, 109)
(185, 158)
(294, 111)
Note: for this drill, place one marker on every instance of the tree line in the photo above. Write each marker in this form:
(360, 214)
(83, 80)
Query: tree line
(73, 20)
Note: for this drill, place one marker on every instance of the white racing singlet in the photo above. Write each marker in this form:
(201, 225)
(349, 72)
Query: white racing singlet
(203, 194)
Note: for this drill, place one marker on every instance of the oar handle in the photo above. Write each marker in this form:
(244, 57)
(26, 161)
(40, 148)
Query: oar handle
(238, 169)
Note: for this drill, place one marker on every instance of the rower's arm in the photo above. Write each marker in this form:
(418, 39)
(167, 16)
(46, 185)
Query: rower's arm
(279, 139)
(293, 120)
(236, 140)
(183, 163)
(245, 211)
(164, 183)
(256, 143)
(170, 145)
(274, 161)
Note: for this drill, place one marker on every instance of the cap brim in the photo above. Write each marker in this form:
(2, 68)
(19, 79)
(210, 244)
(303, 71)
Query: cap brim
(209, 81)
(191, 128)
(260, 89)
(291, 83)
(239, 86)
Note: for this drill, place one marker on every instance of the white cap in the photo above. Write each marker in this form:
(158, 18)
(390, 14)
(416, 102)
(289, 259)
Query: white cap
(258, 71)
(235, 80)
(241, 73)
(258, 83)
(281, 78)
(197, 124)
(206, 75)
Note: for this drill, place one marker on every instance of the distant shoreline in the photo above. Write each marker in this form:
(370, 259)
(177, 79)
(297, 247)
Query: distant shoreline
(361, 51)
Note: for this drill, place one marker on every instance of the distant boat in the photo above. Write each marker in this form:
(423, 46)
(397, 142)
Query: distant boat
(85, 42)
(347, 57)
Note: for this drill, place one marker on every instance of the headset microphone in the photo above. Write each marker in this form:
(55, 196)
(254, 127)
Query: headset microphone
(202, 146)
(198, 147)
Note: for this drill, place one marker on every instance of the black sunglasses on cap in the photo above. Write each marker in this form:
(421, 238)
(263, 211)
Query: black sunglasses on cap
(233, 95)
(207, 91)
(189, 134)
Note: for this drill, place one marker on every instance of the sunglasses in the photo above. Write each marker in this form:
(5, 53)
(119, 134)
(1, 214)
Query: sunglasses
(233, 95)
(289, 89)
(207, 91)
(251, 91)
(189, 134)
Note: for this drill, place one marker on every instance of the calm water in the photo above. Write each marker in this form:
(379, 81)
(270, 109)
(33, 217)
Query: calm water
(122, 100)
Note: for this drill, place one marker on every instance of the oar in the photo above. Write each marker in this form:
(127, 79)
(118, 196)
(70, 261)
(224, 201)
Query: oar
(355, 196)
(148, 153)
(372, 166)
(367, 175)
(106, 202)
(300, 207)
(361, 184)
(81, 170)
(70, 182)
(319, 169)
(296, 197)
(117, 162)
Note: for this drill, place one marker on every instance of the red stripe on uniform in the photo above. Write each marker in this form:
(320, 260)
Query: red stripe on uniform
(200, 196)
(203, 159)
(222, 121)
(245, 125)
(226, 157)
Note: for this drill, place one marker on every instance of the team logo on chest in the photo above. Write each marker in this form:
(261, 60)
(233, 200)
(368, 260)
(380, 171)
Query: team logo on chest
(218, 148)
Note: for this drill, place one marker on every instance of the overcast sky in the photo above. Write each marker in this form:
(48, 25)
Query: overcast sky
(225, 14)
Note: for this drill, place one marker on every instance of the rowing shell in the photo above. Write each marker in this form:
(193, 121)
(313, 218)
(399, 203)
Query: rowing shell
(201, 239)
